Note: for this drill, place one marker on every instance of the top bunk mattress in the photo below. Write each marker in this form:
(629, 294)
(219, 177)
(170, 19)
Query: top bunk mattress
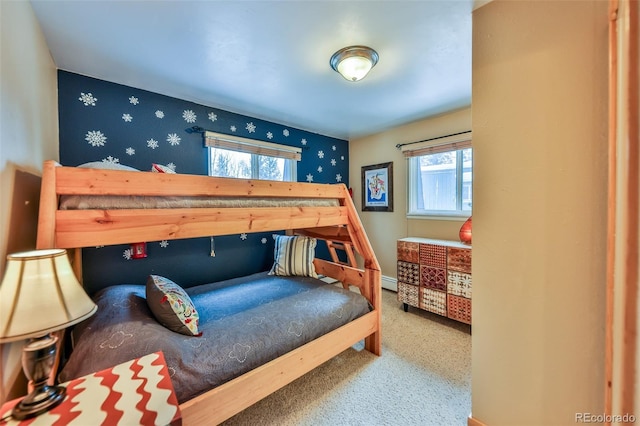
(114, 202)
(245, 322)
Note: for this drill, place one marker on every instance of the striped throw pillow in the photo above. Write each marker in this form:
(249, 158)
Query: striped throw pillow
(293, 255)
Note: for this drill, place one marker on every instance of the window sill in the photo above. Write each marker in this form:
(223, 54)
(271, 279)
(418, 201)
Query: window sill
(458, 218)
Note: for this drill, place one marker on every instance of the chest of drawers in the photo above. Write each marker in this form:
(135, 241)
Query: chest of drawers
(435, 275)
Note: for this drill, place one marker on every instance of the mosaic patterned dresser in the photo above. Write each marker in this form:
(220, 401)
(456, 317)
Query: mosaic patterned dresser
(435, 275)
(138, 392)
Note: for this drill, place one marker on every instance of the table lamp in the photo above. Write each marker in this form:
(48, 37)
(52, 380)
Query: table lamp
(40, 294)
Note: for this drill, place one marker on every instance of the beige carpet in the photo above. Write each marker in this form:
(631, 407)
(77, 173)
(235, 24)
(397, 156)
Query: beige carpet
(422, 378)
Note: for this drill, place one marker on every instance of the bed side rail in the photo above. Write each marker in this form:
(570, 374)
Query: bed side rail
(86, 228)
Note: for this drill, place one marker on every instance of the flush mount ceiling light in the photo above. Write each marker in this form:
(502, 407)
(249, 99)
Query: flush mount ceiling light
(354, 62)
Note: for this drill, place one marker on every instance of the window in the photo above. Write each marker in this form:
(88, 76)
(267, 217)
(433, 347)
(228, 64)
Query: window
(440, 179)
(231, 156)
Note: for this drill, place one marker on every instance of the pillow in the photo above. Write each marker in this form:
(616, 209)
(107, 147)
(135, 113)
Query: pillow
(159, 168)
(293, 255)
(107, 165)
(172, 306)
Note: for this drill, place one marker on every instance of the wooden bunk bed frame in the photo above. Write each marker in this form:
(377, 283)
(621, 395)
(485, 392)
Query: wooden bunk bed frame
(340, 225)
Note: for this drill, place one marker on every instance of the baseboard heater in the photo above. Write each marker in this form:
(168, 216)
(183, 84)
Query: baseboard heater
(390, 283)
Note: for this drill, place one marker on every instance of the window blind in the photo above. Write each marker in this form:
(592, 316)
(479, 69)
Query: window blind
(236, 143)
(437, 145)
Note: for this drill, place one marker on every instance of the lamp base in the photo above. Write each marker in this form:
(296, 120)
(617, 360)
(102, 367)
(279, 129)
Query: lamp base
(35, 404)
(38, 357)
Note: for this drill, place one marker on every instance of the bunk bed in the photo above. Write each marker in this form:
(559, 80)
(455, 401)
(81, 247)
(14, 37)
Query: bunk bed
(266, 206)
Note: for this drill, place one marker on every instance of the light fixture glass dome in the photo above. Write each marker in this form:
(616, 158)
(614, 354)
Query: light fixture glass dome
(354, 62)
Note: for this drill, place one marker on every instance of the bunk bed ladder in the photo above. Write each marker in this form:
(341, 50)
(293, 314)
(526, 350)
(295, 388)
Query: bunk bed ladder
(345, 247)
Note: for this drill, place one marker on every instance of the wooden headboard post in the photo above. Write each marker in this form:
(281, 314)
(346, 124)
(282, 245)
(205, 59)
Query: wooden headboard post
(48, 203)
(46, 221)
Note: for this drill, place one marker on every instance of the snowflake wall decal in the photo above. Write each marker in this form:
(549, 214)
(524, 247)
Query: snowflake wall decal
(321, 154)
(243, 236)
(95, 138)
(127, 254)
(127, 117)
(87, 99)
(173, 139)
(164, 243)
(111, 160)
(98, 139)
(189, 116)
(172, 166)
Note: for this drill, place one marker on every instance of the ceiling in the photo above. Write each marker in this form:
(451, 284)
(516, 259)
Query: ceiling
(270, 59)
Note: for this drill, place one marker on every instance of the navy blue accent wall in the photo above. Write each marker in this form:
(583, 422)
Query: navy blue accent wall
(104, 121)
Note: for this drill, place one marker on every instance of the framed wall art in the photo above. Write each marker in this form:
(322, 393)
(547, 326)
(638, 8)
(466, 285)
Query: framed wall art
(377, 187)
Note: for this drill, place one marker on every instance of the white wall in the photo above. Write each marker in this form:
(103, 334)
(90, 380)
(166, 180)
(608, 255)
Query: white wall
(28, 130)
(539, 214)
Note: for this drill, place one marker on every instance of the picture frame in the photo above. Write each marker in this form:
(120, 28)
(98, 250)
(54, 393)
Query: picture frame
(377, 187)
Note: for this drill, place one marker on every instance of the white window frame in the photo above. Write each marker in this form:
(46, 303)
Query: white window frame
(413, 152)
(255, 148)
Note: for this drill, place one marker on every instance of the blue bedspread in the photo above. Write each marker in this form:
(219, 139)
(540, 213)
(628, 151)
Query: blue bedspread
(246, 322)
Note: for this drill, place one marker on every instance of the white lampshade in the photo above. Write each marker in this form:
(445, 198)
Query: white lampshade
(40, 294)
(354, 62)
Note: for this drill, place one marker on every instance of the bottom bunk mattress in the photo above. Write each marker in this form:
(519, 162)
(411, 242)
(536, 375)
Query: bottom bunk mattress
(245, 322)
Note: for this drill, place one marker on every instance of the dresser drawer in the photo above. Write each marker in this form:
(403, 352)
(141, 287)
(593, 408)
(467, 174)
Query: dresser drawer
(459, 308)
(435, 278)
(459, 283)
(409, 294)
(409, 272)
(433, 255)
(408, 251)
(433, 301)
(459, 259)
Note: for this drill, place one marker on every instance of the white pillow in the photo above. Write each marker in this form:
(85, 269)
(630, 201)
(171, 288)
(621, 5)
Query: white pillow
(107, 165)
(159, 168)
(293, 255)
